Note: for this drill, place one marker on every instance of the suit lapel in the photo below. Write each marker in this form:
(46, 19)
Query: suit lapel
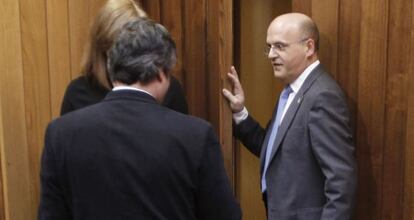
(293, 108)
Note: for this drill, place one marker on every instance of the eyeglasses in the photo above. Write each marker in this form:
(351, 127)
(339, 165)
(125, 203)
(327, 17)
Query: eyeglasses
(280, 47)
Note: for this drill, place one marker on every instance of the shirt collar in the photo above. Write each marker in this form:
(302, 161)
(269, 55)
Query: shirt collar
(117, 88)
(302, 77)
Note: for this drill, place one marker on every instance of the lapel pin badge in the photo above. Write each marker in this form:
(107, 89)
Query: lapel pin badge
(299, 100)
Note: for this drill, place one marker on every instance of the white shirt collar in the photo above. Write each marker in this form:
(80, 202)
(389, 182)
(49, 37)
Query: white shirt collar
(302, 77)
(117, 88)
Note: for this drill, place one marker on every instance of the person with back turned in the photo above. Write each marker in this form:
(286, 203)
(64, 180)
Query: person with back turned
(93, 84)
(128, 157)
(308, 167)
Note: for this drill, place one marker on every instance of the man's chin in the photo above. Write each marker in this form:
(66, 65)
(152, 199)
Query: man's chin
(277, 73)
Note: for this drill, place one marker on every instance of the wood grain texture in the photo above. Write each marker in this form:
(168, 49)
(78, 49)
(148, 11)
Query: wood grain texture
(302, 6)
(153, 9)
(79, 33)
(348, 52)
(225, 47)
(36, 86)
(2, 169)
(58, 52)
(325, 13)
(194, 57)
(398, 69)
(213, 59)
(371, 104)
(219, 59)
(18, 200)
(408, 201)
(171, 11)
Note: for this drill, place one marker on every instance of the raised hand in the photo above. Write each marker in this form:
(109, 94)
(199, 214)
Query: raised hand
(236, 99)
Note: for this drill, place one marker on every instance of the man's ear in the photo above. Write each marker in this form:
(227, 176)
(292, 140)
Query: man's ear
(310, 47)
(162, 76)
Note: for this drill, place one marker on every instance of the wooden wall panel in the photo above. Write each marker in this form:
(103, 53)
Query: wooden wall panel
(398, 68)
(171, 11)
(194, 57)
(153, 8)
(2, 168)
(81, 16)
(18, 200)
(408, 201)
(325, 13)
(36, 86)
(370, 130)
(58, 52)
(302, 6)
(348, 52)
(219, 59)
(79, 32)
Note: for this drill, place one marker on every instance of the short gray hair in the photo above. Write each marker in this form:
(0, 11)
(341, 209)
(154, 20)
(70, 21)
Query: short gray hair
(142, 49)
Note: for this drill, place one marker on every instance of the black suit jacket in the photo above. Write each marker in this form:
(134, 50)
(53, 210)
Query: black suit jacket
(128, 157)
(312, 169)
(82, 92)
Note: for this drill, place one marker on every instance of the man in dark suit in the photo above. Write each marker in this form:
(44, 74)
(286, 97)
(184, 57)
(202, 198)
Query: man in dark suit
(129, 157)
(308, 168)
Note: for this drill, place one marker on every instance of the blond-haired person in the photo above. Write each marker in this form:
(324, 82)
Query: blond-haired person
(93, 84)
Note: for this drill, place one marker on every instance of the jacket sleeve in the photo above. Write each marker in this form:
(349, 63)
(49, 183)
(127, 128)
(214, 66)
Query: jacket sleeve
(251, 134)
(333, 147)
(52, 200)
(215, 198)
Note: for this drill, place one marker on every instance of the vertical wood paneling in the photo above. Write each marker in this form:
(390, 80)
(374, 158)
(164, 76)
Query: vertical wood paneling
(325, 13)
(396, 108)
(219, 59)
(36, 86)
(2, 167)
(194, 57)
(172, 19)
(302, 6)
(58, 52)
(79, 32)
(348, 52)
(371, 98)
(153, 8)
(213, 58)
(17, 180)
(408, 202)
(225, 52)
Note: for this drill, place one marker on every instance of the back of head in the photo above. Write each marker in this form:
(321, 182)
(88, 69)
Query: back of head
(141, 52)
(106, 27)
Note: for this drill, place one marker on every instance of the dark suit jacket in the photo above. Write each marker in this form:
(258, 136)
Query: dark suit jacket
(128, 157)
(82, 92)
(312, 170)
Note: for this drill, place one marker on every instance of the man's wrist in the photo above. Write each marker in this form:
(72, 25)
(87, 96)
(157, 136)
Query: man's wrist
(240, 116)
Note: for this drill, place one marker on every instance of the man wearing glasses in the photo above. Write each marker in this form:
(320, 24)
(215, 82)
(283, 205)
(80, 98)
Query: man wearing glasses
(308, 167)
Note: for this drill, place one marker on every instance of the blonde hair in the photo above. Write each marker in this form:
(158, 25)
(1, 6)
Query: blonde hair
(108, 23)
